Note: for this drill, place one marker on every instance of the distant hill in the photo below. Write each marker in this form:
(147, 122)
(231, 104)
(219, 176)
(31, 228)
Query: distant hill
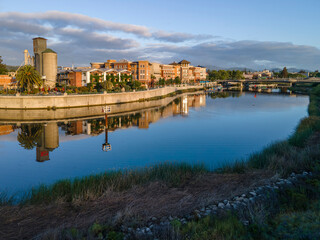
(12, 68)
(294, 70)
(290, 70)
(211, 67)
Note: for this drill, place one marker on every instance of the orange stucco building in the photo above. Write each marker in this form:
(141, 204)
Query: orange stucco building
(5, 81)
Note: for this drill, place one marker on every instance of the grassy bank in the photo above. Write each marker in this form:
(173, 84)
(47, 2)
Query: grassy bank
(93, 187)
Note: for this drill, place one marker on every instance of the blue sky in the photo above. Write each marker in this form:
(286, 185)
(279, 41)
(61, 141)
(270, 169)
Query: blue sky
(229, 33)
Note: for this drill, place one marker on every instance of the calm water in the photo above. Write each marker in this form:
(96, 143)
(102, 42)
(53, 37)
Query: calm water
(193, 128)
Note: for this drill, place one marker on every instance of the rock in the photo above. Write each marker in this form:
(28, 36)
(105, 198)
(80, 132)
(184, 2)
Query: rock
(170, 218)
(253, 194)
(213, 207)
(240, 199)
(154, 219)
(220, 205)
(305, 173)
(225, 201)
(243, 195)
(228, 205)
(245, 223)
(292, 174)
(207, 212)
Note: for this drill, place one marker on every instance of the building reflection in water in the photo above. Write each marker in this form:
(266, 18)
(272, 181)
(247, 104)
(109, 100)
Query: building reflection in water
(45, 137)
(49, 141)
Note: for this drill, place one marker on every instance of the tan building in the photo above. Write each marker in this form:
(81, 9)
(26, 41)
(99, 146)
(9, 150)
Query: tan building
(167, 71)
(144, 71)
(121, 65)
(156, 70)
(97, 65)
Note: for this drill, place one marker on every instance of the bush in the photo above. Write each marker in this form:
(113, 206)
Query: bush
(127, 88)
(117, 89)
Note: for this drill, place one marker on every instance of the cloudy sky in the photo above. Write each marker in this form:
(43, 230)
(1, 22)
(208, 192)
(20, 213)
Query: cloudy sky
(223, 33)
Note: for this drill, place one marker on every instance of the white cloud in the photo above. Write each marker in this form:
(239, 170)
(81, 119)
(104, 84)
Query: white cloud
(80, 39)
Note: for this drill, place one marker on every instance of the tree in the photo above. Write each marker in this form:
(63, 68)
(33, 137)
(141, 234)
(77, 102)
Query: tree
(162, 82)
(3, 67)
(27, 77)
(223, 75)
(284, 73)
(177, 80)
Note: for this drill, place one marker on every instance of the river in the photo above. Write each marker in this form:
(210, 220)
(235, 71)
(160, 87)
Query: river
(195, 128)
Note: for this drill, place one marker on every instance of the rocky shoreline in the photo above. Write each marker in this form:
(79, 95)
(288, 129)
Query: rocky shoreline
(242, 205)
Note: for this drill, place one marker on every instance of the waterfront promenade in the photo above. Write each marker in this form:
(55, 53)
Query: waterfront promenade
(85, 100)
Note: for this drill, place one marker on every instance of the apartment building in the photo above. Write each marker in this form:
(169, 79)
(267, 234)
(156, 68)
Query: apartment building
(156, 71)
(143, 71)
(168, 71)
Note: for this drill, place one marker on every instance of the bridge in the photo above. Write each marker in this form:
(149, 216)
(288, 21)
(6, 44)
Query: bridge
(276, 80)
(268, 84)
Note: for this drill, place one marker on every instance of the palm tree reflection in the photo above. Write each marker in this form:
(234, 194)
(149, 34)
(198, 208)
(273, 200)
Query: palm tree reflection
(30, 135)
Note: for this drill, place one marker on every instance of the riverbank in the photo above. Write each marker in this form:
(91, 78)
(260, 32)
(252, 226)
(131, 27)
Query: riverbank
(78, 209)
(87, 100)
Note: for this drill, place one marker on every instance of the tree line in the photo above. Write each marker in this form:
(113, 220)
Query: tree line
(225, 74)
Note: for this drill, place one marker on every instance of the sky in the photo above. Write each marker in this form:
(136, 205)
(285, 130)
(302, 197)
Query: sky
(222, 33)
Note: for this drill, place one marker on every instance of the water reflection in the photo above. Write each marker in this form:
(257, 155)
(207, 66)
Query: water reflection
(212, 129)
(45, 136)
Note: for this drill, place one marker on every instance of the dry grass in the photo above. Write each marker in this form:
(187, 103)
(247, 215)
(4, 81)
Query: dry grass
(132, 207)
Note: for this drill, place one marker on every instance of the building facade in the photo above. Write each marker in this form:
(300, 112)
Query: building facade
(5, 81)
(143, 71)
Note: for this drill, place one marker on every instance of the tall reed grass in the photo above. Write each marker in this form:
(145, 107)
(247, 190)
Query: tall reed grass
(94, 186)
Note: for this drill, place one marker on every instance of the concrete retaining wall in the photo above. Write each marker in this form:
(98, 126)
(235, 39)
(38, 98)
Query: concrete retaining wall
(63, 114)
(71, 101)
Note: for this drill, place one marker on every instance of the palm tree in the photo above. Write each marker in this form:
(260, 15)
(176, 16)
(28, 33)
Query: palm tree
(27, 77)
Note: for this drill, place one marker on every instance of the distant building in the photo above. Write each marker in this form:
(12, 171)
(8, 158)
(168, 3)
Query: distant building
(262, 74)
(248, 76)
(5, 129)
(142, 71)
(5, 81)
(45, 61)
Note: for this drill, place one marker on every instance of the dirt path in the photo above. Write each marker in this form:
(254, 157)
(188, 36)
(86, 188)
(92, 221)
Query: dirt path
(135, 205)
